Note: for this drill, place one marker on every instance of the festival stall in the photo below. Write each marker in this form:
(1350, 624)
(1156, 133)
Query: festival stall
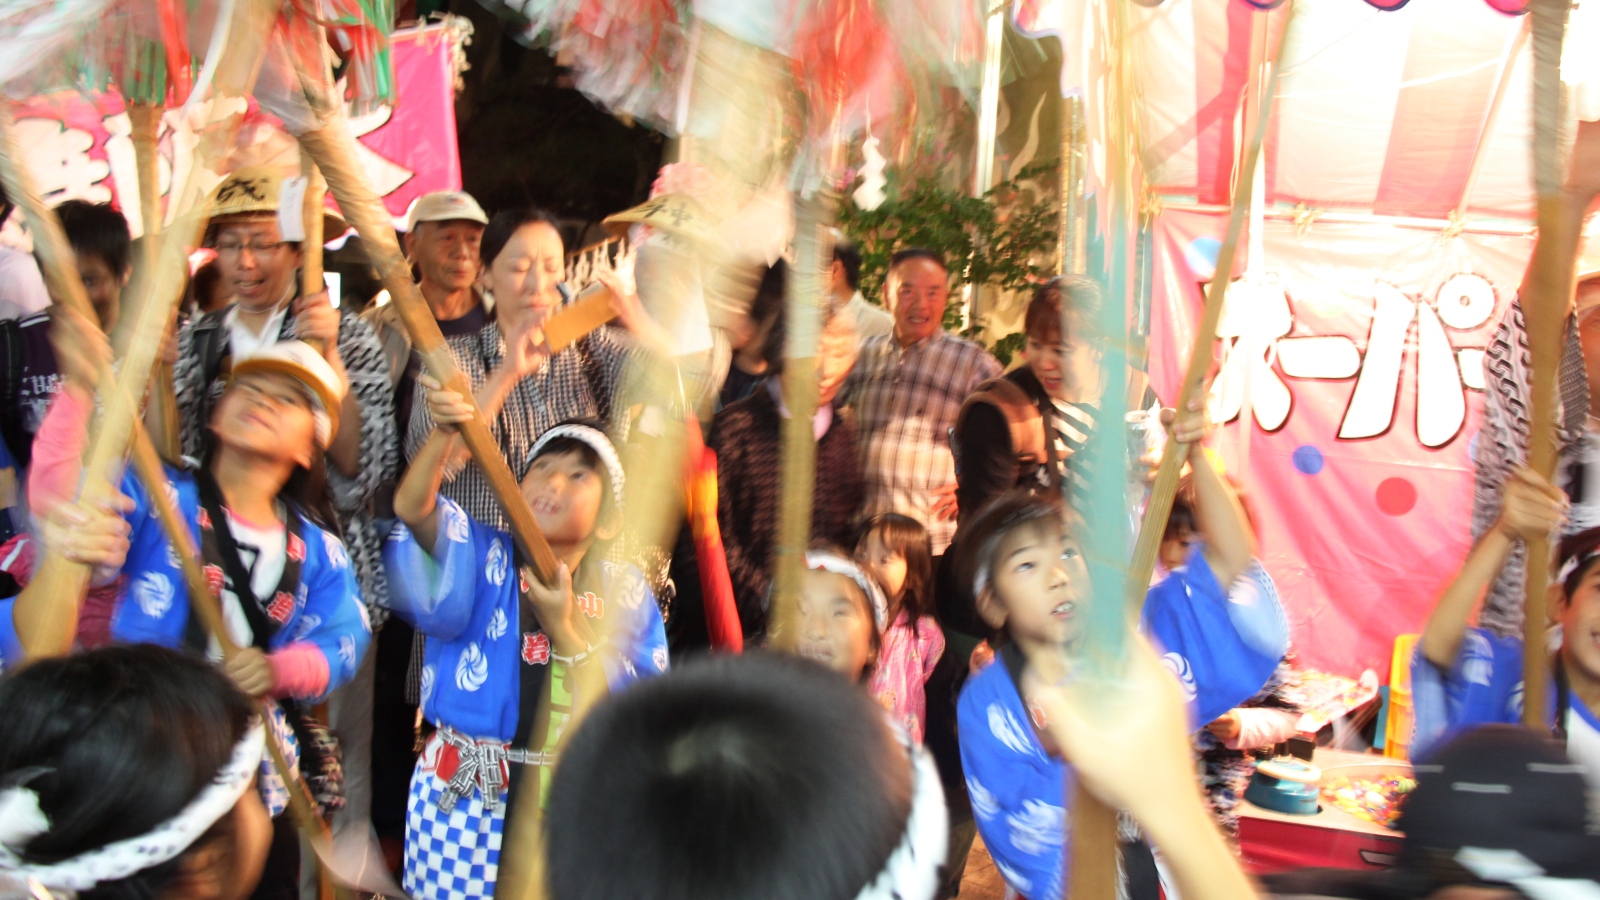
(1390, 222)
(1391, 230)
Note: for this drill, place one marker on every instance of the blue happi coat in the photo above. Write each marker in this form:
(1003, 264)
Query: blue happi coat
(464, 596)
(154, 606)
(1221, 645)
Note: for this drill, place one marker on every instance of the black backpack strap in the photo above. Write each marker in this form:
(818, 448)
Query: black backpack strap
(11, 413)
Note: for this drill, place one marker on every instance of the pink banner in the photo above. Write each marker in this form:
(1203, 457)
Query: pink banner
(1350, 378)
(79, 147)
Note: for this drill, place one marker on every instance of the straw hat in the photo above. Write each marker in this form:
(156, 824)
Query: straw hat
(675, 214)
(256, 191)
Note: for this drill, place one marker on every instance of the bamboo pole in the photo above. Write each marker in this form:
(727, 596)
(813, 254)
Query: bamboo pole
(332, 149)
(813, 244)
(145, 127)
(47, 622)
(1094, 841)
(1546, 300)
(311, 280)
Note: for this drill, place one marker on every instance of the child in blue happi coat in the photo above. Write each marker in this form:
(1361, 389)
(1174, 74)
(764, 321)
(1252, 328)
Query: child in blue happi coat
(1029, 577)
(498, 640)
(1464, 676)
(289, 597)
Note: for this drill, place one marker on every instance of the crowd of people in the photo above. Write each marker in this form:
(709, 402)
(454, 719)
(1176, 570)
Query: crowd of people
(381, 624)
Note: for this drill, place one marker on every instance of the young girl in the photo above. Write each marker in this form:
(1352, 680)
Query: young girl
(289, 595)
(840, 617)
(1029, 577)
(126, 773)
(895, 549)
(498, 640)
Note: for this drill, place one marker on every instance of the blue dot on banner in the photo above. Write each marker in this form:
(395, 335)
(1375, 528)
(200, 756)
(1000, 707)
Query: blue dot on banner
(1307, 459)
(1202, 256)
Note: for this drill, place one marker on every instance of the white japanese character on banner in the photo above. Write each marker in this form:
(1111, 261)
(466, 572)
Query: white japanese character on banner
(59, 159)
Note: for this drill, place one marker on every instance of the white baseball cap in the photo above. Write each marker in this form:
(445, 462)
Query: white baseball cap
(444, 206)
(299, 361)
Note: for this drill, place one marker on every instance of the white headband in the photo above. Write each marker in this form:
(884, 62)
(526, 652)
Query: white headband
(23, 821)
(595, 438)
(912, 872)
(839, 565)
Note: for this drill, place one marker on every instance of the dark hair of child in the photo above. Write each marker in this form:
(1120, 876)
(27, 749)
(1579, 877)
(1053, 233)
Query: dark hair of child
(906, 536)
(848, 255)
(979, 541)
(1182, 518)
(732, 777)
(1042, 320)
(98, 230)
(1578, 546)
(505, 224)
(768, 306)
(115, 742)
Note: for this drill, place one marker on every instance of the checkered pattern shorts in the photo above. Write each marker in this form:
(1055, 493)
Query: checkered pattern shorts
(454, 856)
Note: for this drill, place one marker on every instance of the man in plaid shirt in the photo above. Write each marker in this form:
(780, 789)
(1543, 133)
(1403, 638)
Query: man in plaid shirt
(907, 387)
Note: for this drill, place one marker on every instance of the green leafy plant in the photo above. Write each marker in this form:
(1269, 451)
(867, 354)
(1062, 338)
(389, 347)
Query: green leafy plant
(1005, 239)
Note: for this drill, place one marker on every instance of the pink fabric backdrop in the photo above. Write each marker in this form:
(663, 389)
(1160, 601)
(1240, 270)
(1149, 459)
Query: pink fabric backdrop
(1360, 535)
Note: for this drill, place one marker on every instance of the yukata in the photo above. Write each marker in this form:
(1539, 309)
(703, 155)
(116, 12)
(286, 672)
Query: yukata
(905, 663)
(325, 613)
(1484, 687)
(484, 667)
(1222, 647)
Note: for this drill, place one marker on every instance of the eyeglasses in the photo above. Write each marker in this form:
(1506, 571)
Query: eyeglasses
(257, 247)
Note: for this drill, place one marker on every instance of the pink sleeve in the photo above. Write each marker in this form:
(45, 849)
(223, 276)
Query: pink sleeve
(1263, 727)
(932, 645)
(300, 670)
(58, 451)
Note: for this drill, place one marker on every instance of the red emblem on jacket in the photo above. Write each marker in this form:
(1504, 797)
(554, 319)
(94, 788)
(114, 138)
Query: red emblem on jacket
(214, 579)
(535, 648)
(281, 606)
(592, 606)
(296, 548)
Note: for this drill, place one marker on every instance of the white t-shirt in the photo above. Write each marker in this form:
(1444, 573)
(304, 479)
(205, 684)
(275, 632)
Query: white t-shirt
(1583, 744)
(242, 342)
(264, 551)
(22, 290)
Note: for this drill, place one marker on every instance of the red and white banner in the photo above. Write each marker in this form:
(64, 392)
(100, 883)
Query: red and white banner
(79, 147)
(1352, 374)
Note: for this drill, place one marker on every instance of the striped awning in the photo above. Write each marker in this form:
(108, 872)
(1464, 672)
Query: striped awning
(1383, 107)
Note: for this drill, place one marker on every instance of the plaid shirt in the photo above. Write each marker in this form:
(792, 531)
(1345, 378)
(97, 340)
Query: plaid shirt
(906, 401)
(580, 381)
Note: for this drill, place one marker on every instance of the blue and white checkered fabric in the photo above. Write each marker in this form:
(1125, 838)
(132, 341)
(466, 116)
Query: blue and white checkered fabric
(449, 856)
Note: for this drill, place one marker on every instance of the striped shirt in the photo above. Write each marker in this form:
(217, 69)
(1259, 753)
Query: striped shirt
(906, 401)
(1071, 424)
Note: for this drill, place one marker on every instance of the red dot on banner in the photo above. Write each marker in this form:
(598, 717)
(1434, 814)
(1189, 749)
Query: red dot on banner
(1396, 496)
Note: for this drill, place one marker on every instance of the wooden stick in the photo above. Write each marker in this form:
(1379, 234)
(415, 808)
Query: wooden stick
(813, 249)
(311, 249)
(332, 149)
(46, 626)
(1546, 300)
(145, 122)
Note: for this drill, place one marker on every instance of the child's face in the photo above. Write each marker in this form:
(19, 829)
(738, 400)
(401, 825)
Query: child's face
(565, 494)
(1035, 586)
(269, 414)
(228, 866)
(835, 624)
(1175, 549)
(888, 566)
(1580, 626)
